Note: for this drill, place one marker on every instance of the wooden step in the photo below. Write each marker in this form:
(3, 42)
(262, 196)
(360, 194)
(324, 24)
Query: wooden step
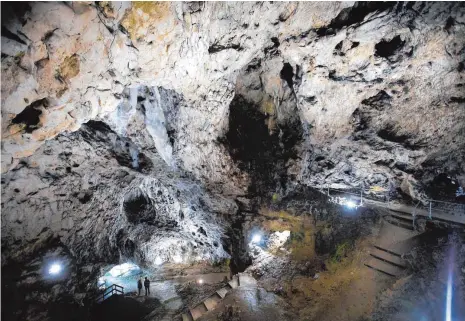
(222, 292)
(212, 301)
(390, 251)
(198, 311)
(388, 257)
(234, 283)
(187, 317)
(402, 216)
(398, 222)
(246, 280)
(384, 267)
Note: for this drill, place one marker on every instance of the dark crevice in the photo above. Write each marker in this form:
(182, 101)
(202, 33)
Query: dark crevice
(457, 99)
(30, 116)
(310, 99)
(287, 74)
(272, 49)
(9, 35)
(380, 101)
(353, 78)
(337, 49)
(389, 133)
(217, 48)
(449, 23)
(461, 66)
(388, 48)
(360, 120)
(353, 15)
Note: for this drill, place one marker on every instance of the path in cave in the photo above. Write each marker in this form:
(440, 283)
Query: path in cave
(442, 211)
(164, 290)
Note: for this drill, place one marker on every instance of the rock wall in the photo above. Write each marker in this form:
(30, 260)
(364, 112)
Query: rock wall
(136, 130)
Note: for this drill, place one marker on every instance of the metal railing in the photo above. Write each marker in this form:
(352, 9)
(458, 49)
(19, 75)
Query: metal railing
(429, 205)
(108, 292)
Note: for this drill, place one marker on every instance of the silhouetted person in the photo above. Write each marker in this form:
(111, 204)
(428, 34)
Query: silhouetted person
(147, 286)
(139, 285)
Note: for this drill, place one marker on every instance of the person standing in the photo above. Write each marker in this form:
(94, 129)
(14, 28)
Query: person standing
(139, 285)
(147, 286)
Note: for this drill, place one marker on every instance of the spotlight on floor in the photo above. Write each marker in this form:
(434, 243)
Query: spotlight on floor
(200, 281)
(256, 238)
(54, 269)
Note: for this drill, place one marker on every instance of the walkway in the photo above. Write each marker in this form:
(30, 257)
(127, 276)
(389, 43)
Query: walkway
(435, 210)
(240, 299)
(165, 291)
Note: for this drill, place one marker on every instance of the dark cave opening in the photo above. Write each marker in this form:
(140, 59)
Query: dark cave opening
(138, 207)
(444, 187)
(257, 150)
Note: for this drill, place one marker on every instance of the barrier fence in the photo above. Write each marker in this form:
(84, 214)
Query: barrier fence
(433, 207)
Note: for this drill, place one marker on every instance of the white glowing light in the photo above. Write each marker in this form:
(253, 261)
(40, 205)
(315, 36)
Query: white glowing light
(200, 281)
(256, 238)
(54, 269)
(158, 261)
(351, 204)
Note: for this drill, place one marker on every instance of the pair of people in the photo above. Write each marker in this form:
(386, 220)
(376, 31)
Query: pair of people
(146, 285)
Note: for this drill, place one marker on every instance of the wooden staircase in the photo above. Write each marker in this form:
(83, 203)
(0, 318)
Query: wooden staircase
(386, 262)
(386, 256)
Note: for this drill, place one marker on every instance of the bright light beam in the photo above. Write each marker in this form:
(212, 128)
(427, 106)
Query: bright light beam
(449, 287)
(449, 298)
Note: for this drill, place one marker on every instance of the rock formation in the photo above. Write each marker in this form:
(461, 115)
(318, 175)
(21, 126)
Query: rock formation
(142, 130)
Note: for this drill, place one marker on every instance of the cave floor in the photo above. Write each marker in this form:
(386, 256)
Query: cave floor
(250, 304)
(347, 290)
(164, 291)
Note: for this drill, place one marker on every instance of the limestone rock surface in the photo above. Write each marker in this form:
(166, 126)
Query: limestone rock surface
(139, 130)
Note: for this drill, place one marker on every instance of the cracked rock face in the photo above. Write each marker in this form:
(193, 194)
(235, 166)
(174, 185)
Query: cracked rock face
(136, 130)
